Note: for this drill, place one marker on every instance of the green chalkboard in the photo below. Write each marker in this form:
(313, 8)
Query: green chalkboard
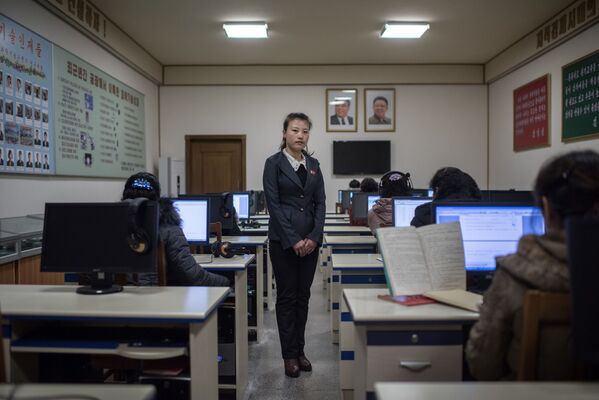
(580, 98)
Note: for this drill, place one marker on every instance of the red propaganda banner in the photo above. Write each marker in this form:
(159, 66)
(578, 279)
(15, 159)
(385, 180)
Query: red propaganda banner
(531, 115)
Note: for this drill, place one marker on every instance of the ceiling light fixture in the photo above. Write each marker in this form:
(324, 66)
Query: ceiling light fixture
(404, 30)
(246, 29)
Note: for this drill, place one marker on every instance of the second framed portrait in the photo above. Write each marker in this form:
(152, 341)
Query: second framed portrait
(341, 110)
(379, 110)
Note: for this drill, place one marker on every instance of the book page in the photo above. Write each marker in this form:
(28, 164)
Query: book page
(444, 255)
(405, 267)
(457, 298)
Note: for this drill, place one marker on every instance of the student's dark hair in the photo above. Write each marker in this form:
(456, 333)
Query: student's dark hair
(570, 182)
(453, 183)
(369, 185)
(290, 117)
(395, 183)
(142, 184)
(354, 184)
(381, 98)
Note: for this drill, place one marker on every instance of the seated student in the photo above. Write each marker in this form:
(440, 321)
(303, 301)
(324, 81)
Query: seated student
(393, 183)
(448, 184)
(182, 270)
(354, 184)
(368, 185)
(566, 185)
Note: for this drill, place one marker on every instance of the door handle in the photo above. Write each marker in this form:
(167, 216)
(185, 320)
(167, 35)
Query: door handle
(415, 366)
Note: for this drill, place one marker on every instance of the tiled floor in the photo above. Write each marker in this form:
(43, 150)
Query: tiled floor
(267, 380)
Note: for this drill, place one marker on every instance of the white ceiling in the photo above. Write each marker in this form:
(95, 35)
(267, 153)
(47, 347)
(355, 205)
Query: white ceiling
(179, 32)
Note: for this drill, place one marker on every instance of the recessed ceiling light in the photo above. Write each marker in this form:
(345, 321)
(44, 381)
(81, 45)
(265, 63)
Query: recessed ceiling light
(246, 29)
(404, 30)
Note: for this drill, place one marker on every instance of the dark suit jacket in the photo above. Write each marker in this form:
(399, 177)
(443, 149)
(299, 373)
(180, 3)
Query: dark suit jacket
(336, 121)
(296, 212)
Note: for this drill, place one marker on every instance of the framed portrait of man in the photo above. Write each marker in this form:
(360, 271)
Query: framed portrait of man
(341, 110)
(379, 110)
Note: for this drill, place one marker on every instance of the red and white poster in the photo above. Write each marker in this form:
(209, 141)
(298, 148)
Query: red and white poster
(531, 115)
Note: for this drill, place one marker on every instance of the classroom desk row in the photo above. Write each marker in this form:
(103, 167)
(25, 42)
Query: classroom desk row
(392, 342)
(136, 323)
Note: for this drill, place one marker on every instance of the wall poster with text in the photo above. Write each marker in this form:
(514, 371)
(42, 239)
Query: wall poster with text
(99, 121)
(531, 115)
(26, 114)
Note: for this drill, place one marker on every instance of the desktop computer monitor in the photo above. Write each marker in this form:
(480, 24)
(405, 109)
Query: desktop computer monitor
(359, 206)
(403, 209)
(195, 217)
(372, 199)
(221, 207)
(241, 202)
(489, 229)
(346, 198)
(100, 239)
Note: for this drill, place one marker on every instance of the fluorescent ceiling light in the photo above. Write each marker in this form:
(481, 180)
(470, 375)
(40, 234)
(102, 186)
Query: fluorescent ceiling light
(246, 29)
(404, 30)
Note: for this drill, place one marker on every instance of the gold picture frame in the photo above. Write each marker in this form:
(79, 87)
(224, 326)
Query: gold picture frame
(379, 110)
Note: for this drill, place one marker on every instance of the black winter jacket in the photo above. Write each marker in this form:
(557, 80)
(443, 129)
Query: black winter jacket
(182, 270)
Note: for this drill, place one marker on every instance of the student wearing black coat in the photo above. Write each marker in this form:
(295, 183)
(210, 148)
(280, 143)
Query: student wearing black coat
(448, 184)
(295, 197)
(182, 269)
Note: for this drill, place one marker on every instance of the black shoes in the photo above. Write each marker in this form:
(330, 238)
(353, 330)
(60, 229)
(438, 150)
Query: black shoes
(292, 368)
(304, 363)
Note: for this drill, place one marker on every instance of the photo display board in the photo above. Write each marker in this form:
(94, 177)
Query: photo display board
(580, 103)
(26, 132)
(61, 115)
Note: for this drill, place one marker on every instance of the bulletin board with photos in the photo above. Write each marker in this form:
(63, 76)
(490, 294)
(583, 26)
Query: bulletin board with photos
(60, 115)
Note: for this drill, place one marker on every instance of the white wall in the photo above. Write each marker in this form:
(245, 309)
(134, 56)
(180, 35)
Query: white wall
(437, 125)
(20, 194)
(518, 170)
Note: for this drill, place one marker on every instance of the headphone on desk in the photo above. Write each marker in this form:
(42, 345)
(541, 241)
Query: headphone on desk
(227, 250)
(137, 238)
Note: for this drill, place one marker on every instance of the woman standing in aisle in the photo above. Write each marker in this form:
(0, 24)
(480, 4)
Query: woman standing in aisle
(295, 197)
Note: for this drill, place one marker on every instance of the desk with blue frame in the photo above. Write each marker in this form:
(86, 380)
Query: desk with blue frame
(393, 342)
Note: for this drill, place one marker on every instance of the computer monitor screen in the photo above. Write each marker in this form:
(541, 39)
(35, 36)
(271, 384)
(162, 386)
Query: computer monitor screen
(95, 238)
(339, 196)
(430, 192)
(241, 202)
(490, 229)
(346, 196)
(372, 199)
(221, 207)
(195, 219)
(403, 209)
(359, 205)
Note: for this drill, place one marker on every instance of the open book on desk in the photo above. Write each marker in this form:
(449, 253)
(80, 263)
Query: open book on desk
(424, 260)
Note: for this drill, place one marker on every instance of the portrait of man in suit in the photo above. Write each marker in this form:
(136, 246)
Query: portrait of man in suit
(341, 111)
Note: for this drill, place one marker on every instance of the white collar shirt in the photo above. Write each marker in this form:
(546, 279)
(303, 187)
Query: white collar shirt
(294, 163)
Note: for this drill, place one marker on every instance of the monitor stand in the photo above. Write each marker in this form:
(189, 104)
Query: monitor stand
(101, 283)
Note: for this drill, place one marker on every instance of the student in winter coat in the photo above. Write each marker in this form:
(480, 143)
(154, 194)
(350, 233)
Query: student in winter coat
(566, 185)
(393, 183)
(182, 270)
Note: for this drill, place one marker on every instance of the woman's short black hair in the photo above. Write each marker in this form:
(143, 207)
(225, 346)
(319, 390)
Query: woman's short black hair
(395, 183)
(570, 183)
(453, 183)
(354, 184)
(142, 184)
(369, 185)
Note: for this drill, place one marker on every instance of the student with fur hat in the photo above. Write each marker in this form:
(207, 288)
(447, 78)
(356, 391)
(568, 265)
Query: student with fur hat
(182, 270)
(393, 183)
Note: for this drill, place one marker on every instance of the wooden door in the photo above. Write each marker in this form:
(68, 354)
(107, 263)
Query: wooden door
(214, 163)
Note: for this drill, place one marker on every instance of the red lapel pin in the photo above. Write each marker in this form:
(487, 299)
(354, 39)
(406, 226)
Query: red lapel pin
(313, 172)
